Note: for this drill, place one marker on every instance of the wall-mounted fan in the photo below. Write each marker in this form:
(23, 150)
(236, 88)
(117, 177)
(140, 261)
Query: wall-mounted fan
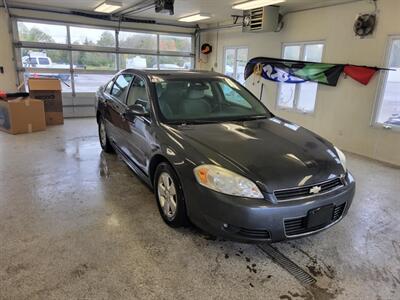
(365, 25)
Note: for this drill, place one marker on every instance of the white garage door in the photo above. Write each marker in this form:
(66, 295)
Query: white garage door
(85, 57)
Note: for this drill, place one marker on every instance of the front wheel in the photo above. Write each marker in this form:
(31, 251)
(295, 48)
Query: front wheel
(170, 200)
(104, 141)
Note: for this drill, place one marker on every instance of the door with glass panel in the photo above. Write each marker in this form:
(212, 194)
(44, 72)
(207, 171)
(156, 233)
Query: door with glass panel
(235, 60)
(300, 97)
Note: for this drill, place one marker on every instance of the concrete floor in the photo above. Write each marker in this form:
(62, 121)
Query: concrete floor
(76, 223)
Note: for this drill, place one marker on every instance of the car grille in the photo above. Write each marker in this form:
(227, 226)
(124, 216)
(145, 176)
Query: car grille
(338, 212)
(254, 233)
(299, 225)
(289, 194)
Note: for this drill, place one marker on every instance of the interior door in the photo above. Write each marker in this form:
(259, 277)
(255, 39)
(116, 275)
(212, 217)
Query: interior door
(138, 135)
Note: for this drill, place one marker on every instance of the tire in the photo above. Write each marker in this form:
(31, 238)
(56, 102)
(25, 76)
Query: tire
(167, 177)
(103, 138)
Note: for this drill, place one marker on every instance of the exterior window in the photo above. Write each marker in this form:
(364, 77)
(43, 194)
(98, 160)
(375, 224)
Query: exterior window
(87, 57)
(388, 105)
(300, 97)
(137, 61)
(42, 32)
(42, 58)
(175, 62)
(92, 37)
(175, 43)
(235, 60)
(94, 61)
(89, 83)
(137, 40)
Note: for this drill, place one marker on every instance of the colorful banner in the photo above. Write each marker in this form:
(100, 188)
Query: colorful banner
(292, 71)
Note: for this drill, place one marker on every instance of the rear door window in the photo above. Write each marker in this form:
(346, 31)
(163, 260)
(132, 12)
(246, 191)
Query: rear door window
(121, 87)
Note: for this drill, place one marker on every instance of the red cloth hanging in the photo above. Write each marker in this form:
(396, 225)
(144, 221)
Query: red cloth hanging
(361, 74)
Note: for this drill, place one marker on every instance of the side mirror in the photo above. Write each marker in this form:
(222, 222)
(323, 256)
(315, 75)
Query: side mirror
(136, 110)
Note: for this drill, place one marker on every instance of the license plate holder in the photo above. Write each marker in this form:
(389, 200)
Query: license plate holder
(320, 216)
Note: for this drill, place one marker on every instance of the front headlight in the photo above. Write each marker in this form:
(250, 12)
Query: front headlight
(342, 158)
(226, 182)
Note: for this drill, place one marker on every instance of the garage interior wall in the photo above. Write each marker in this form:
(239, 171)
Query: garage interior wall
(8, 78)
(342, 114)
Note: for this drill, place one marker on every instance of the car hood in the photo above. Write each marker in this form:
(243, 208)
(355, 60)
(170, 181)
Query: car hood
(273, 152)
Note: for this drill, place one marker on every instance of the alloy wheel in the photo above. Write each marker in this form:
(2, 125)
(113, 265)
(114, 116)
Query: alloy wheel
(167, 195)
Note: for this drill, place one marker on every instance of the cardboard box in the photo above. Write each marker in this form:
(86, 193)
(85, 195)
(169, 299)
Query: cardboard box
(22, 115)
(49, 91)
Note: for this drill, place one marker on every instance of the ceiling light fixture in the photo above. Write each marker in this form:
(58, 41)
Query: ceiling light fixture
(194, 18)
(255, 4)
(108, 7)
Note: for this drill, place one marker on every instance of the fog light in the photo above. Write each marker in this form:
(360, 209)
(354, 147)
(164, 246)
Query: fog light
(225, 225)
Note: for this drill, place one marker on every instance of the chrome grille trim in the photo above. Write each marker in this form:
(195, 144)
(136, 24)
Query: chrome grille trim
(298, 193)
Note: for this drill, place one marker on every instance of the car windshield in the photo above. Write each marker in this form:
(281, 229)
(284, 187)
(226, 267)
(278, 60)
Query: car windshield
(216, 99)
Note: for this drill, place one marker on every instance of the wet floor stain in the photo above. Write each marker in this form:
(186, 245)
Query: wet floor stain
(80, 270)
(16, 269)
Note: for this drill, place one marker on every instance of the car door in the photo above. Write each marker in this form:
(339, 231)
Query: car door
(138, 129)
(116, 107)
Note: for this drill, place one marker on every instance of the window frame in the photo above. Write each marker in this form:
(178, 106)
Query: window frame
(380, 91)
(297, 87)
(235, 48)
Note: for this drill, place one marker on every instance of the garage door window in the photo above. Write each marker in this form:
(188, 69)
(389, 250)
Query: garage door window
(388, 102)
(42, 32)
(137, 40)
(300, 97)
(92, 37)
(235, 60)
(85, 57)
(175, 63)
(175, 43)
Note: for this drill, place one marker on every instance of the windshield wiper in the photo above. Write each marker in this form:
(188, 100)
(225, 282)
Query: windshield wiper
(196, 122)
(193, 122)
(250, 118)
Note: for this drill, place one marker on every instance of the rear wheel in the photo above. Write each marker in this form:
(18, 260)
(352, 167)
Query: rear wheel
(170, 200)
(104, 141)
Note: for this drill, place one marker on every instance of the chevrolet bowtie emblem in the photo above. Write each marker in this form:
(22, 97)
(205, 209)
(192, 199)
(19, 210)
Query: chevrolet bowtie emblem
(315, 189)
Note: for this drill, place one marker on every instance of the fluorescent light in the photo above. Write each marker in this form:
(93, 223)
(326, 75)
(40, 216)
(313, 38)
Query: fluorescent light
(194, 18)
(255, 4)
(108, 7)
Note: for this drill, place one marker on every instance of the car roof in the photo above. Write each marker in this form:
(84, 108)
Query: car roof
(173, 73)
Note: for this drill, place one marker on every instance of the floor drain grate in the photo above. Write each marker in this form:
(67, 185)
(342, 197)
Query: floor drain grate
(287, 264)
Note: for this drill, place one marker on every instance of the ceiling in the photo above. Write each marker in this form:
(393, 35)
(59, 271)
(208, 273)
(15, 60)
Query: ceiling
(219, 9)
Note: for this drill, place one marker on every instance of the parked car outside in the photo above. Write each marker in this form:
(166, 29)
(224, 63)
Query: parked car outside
(217, 157)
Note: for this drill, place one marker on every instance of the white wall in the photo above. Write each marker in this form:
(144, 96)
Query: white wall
(8, 79)
(343, 113)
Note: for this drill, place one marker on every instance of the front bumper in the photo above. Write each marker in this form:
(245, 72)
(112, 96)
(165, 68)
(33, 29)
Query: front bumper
(256, 220)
